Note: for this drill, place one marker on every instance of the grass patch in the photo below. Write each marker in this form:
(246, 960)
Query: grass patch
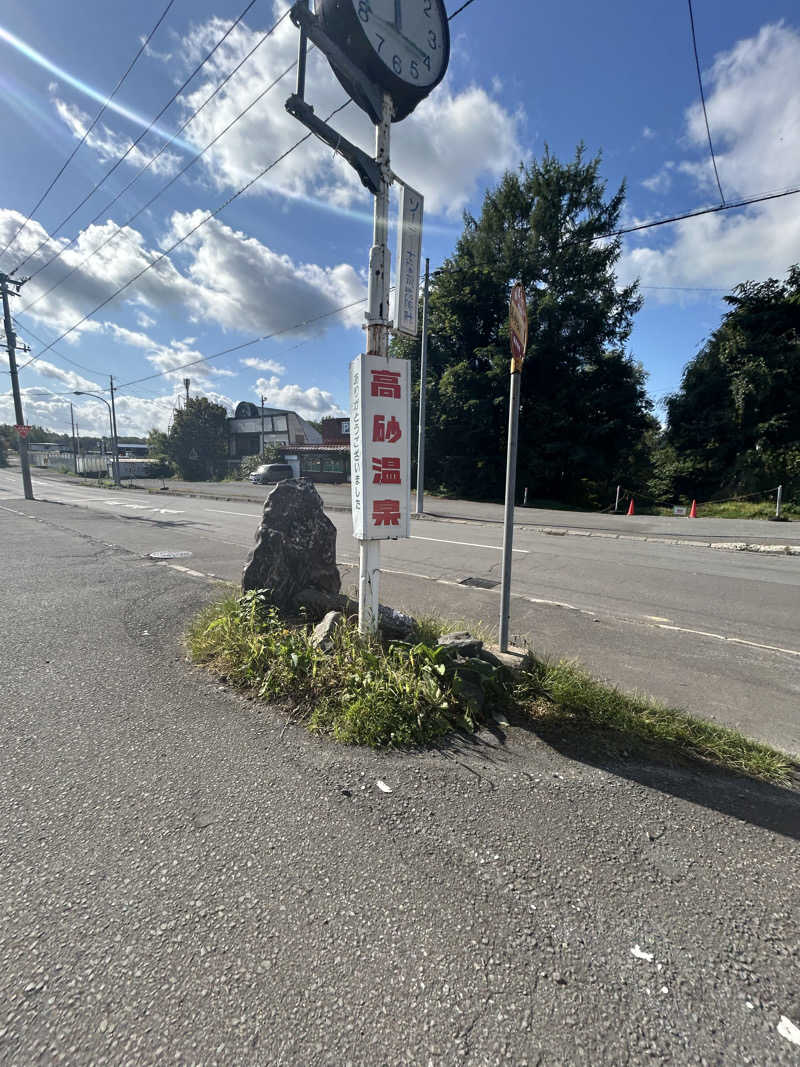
(414, 693)
(563, 698)
(741, 509)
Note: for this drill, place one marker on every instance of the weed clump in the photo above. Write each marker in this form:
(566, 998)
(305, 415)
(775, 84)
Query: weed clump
(362, 691)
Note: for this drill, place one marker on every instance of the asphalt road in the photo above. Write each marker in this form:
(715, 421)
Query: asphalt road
(188, 879)
(671, 527)
(715, 632)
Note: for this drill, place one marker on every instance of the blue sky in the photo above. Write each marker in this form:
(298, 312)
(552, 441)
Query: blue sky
(619, 77)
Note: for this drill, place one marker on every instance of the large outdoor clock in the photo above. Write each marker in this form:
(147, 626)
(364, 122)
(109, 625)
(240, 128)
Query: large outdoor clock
(403, 46)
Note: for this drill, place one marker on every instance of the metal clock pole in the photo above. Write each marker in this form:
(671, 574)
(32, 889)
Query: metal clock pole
(377, 345)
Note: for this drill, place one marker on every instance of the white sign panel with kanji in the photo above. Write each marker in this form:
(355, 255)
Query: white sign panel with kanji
(380, 445)
(408, 261)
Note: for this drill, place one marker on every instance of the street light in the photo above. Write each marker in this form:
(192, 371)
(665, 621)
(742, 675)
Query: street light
(112, 424)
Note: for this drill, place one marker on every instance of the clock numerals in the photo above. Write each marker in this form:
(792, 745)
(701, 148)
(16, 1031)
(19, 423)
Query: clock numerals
(382, 41)
(428, 6)
(397, 64)
(364, 10)
(427, 62)
(414, 69)
(432, 40)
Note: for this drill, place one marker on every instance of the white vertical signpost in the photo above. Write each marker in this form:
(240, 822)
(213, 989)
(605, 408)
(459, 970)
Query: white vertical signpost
(388, 60)
(518, 329)
(409, 262)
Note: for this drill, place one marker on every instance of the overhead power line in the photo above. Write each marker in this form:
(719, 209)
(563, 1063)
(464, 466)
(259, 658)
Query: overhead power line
(164, 146)
(120, 229)
(459, 10)
(703, 102)
(246, 344)
(130, 148)
(729, 206)
(86, 133)
(27, 330)
(164, 255)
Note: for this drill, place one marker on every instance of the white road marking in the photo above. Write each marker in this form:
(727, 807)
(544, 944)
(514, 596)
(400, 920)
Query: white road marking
(468, 544)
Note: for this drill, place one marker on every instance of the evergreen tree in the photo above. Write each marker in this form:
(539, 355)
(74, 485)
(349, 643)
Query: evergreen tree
(584, 409)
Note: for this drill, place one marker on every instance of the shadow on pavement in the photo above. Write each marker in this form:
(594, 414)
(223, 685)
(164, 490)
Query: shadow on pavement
(750, 800)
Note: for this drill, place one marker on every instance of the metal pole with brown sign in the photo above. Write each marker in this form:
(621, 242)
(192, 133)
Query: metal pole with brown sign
(518, 329)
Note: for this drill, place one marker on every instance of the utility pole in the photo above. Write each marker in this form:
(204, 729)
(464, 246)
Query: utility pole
(114, 442)
(186, 384)
(261, 450)
(11, 345)
(423, 393)
(74, 445)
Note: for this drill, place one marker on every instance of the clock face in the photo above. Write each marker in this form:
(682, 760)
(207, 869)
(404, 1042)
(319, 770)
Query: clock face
(410, 37)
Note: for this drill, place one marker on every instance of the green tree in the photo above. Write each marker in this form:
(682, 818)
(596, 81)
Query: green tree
(197, 443)
(734, 424)
(584, 409)
(159, 465)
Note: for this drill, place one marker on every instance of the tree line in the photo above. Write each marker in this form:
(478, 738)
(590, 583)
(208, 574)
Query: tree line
(587, 423)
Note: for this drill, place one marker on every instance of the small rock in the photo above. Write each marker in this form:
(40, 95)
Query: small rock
(463, 643)
(513, 660)
(323, 635)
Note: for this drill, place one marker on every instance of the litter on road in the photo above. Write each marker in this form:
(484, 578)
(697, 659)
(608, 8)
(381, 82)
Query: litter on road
(640, 954)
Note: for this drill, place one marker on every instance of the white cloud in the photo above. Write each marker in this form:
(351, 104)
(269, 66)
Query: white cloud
(242, 284)
(230, 279)
(66, 377)
(145, 320)
(264, 365)
(661, 181)
(753, 101)
(136, 415)
(648, 133)
(434, 149)
(310, 403)
(108, 145)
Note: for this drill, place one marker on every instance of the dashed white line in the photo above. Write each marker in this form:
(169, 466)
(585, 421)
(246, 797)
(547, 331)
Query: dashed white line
(468, 544)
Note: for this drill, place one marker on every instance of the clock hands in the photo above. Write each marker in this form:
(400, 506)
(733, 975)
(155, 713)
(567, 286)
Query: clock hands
(394, 27)
(398, 15)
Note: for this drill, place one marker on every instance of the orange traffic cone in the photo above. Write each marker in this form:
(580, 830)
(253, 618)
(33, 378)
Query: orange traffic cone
(631, 510)
(693, 512)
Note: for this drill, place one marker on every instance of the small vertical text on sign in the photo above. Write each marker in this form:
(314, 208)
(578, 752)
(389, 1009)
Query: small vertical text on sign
(409, 261)
(380, 442)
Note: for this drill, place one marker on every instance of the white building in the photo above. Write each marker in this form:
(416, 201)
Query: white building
(253, 428)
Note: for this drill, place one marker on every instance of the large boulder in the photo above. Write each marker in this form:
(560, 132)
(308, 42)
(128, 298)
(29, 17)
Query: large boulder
(295, 546)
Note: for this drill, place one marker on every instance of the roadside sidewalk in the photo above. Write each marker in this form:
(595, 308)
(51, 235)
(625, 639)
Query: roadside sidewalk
(190, 879)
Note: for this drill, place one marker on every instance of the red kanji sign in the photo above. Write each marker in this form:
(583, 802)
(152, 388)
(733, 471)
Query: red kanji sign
(386, 470)
(386, 431)
(386, 512)
(23, 431)
(386, 383)
(380, 440)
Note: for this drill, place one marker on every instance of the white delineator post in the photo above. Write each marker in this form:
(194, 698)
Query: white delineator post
(377, 345)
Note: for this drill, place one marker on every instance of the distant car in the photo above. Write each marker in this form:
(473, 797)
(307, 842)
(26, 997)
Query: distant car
(271, 472)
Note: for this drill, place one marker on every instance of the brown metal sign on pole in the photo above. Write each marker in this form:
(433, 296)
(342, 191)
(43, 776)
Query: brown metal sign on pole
(518, 329)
